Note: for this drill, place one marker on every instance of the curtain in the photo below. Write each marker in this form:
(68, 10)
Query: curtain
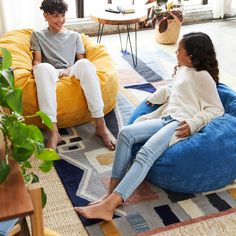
(18, 14)
(221, 7)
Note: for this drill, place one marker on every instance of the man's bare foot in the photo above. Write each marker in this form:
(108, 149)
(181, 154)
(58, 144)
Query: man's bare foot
(103, 132)
(103, 210)
(53, 139)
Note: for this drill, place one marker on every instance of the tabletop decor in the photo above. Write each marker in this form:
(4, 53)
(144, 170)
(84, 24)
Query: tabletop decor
(167, 18)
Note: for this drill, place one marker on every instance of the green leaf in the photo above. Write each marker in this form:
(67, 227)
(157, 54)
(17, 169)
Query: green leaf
(46, 166)
(14, 100)
(4, 170)
(48, 155)
(27, 178)
(6, 62)
(7, 78)
(35, 134)
(21, 154)
(27, 164)
(44, 198)
(8, 123)
(45, 119)
(37, 138)
(3, 94)
(35, 178)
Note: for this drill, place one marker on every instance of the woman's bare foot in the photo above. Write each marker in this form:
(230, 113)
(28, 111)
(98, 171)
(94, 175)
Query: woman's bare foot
(103, 132)
(103, 197)
(53, 138)
(103, 210)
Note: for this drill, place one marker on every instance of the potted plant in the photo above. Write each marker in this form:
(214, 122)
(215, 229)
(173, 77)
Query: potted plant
(167, 18)
(20, 141)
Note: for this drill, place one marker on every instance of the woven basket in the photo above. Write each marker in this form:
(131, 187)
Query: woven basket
(171, 35)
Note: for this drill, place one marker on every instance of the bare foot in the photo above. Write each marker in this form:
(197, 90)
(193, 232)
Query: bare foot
(105, 134)
(97, 211)
(103, 210)
(99, 199)
(112, 185)
(53, 139)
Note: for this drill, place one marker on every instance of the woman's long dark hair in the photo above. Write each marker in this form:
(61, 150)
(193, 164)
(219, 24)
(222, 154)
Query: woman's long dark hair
(201, 50)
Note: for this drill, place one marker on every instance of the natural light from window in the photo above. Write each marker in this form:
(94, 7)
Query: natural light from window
(90, 5)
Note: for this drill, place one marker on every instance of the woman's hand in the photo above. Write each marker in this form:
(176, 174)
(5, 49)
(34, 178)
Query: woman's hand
(183, 130)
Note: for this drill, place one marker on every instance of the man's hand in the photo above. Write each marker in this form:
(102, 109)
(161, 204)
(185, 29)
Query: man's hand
(183, 130)
(65, 72)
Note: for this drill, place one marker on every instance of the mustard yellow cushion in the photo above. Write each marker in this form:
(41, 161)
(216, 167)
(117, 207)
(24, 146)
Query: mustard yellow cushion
(72, 106)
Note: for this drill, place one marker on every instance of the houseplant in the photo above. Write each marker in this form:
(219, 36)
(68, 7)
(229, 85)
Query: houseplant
(20, 141)
(167, 18)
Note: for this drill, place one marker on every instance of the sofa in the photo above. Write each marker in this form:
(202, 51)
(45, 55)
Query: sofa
(72, 106)
(202, 162)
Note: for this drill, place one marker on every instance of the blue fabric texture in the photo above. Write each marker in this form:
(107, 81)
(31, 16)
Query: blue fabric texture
(206, 160)
(6, 226)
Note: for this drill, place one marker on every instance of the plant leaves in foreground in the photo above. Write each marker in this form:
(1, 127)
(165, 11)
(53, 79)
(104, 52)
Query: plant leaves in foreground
(4, 170)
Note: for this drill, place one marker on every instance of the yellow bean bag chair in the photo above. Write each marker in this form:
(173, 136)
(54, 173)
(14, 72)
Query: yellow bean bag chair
(72, 106)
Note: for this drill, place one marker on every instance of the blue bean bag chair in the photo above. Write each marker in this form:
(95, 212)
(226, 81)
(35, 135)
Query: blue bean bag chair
(206, 160)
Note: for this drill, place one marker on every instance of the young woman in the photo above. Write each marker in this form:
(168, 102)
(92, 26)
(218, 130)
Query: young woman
(186, 107)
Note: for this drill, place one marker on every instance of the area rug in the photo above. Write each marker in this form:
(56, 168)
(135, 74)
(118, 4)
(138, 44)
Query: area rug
(85, 169)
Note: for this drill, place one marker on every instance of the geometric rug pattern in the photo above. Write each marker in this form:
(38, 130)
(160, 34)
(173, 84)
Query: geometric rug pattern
(86, 164)
(85, 169)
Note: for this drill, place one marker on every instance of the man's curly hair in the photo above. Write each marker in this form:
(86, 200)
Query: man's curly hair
(52, 6)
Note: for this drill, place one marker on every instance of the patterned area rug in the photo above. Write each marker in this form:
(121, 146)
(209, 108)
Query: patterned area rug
(85, 170)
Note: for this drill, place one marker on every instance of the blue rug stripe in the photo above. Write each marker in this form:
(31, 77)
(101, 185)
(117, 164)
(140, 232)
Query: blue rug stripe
(147, 87)
(71, 176)
(167, 215)
(145, 71)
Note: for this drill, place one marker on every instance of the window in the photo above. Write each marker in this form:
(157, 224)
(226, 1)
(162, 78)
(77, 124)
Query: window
(89, 6)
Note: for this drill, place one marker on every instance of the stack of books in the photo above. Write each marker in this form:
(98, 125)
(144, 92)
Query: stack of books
(124, 8)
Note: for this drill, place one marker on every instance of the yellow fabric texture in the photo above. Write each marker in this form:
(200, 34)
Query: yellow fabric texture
(72, 106)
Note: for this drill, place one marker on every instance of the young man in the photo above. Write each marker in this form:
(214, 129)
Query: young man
(58, 52)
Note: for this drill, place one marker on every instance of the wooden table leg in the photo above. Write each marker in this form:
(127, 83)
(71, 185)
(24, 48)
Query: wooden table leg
(37, 216)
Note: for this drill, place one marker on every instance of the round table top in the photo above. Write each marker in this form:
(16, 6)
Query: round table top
(110, 18)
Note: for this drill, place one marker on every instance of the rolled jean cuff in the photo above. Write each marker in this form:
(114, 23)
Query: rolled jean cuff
(120, 195)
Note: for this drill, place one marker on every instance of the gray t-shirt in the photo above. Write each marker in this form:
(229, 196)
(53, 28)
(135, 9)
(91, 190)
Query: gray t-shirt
(58, 49)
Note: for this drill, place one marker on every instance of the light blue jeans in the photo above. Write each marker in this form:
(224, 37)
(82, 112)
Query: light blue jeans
(155, 134)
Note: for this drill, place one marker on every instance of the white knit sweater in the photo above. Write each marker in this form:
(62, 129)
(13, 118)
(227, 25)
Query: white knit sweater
(193, 98)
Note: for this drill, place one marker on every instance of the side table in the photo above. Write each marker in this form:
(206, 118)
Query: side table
(109, 18)
(18, 201)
